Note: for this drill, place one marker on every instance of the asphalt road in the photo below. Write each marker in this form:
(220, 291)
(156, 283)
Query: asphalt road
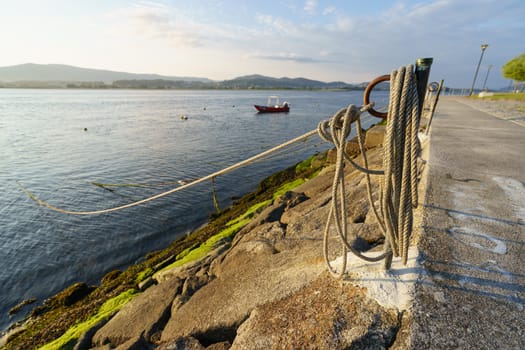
(471, 294)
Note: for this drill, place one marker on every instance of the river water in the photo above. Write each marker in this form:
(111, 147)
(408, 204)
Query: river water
(57, 143)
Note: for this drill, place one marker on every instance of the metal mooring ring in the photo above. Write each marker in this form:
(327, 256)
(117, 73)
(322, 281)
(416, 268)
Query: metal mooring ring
(368, 90)
(433, 86)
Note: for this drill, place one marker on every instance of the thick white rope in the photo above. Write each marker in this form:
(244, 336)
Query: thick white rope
(398, 192)
(180, 188)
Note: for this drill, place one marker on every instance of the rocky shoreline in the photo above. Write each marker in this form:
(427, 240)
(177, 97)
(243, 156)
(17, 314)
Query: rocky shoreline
(264, 251)
(266, 289)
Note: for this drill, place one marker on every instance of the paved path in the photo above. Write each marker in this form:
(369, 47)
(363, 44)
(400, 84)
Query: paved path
(471, 294)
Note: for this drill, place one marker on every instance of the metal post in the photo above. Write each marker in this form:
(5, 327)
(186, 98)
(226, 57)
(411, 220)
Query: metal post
(483, 48)
(422, 74)
(487, 76)
(433, 109)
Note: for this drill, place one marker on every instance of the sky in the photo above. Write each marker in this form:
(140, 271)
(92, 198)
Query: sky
(342, 40)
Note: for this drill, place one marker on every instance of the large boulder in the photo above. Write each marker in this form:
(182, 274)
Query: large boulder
(142, 317)
(375, 136)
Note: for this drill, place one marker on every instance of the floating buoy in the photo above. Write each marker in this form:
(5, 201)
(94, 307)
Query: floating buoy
(183, 117)
(85, 129)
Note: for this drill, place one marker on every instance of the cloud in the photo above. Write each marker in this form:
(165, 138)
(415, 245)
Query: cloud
(159, 23)
(329, 10)
(278, 25)
(449, 31)
(310, 6)
(342, 24)
(285, 56)
(344, 42)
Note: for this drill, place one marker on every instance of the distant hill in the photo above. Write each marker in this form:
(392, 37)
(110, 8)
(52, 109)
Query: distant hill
(32, 75)
(245, 82)
(262, 82)
(65, 73)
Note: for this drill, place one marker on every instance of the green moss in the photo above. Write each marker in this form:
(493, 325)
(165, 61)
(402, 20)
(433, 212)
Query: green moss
(141, 276)
(69, 338)
(287, 187)
(187, 251)
(304, 165)
(248, 214)
(199, 251)
(314, 174)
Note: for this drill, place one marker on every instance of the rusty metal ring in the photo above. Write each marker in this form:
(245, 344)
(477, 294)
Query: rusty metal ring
(433, 86)
(368, 90)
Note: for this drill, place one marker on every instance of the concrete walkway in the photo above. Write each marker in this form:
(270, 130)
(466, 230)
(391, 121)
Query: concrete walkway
(471, 294)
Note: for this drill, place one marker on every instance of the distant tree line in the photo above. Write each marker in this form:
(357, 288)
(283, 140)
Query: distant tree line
(255, 82)
(160, 84)
(239, 83)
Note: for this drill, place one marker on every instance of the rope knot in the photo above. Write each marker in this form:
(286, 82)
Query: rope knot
(337, 129)
(337, 121)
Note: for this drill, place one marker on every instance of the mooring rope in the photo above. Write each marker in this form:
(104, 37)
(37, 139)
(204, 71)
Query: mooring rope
(176, 189)
(398, 192)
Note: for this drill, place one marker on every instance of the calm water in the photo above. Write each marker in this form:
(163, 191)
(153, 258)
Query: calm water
(132, 137)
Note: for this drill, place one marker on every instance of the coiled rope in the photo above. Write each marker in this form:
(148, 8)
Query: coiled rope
(398, 194)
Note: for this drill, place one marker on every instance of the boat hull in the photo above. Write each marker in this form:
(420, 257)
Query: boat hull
(272, 109)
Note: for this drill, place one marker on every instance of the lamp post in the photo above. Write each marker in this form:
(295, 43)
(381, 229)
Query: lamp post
(487, 76)
(483, 48)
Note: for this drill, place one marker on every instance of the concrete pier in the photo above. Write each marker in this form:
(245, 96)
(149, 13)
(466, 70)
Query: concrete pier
(471, 291)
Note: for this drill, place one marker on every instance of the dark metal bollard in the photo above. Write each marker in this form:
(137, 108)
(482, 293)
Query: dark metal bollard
(422, 74)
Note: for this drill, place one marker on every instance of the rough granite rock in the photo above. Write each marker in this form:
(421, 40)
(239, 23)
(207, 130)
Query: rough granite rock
(186, 343)
(374, 136)
(277, 255)
(135, 343)
(245, 280)
(352, 149)
(142, 316)
(323, 315)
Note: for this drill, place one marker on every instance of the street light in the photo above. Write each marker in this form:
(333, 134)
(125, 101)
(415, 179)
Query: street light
(487, 76)
(483, 48)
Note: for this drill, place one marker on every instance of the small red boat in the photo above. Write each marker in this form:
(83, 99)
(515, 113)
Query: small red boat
(273, 106)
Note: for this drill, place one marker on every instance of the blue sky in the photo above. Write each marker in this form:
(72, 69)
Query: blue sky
(346, 40)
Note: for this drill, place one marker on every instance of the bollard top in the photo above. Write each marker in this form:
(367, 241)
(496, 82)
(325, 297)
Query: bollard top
(424, 61)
